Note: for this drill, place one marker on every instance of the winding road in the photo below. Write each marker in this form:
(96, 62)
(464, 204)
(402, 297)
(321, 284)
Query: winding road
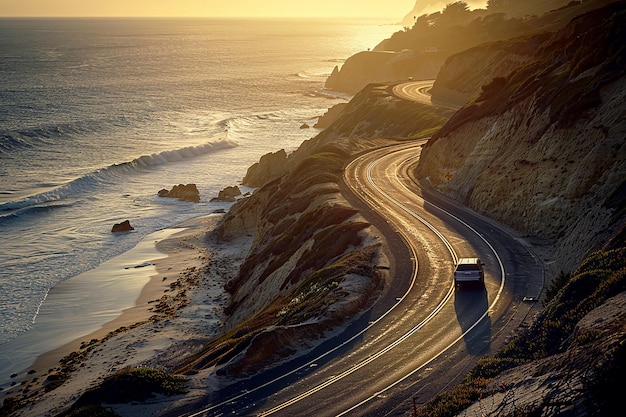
(419, 91)
(421, 336)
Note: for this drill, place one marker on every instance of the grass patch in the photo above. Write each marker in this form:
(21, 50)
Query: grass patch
(132, 384)
(91, 411)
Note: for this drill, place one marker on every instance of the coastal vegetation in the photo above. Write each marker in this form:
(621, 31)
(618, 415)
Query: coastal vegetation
(138, 384)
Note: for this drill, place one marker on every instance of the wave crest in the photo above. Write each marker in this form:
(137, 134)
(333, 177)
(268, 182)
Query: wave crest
(65, 194)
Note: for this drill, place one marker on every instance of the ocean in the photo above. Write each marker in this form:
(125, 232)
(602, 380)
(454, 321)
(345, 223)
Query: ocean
(98, 115)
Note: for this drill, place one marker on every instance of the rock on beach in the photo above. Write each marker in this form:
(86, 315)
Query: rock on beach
(122, 227)
(228, 194)
(188, 192)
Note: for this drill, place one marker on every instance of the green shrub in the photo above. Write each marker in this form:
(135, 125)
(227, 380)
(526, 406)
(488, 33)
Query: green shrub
(91, 411)
(133, 384)
(556, 285)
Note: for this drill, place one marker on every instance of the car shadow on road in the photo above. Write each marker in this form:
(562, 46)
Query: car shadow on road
(470, 303)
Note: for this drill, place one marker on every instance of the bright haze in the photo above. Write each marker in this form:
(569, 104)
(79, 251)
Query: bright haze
(207, 8)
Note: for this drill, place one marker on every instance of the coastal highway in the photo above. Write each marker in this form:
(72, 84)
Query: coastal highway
(419, 91)
(421, 336)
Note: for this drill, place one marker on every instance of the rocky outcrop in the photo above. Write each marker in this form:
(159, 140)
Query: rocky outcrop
(376, 112)
(122, 227)
(270, 166)
(330, 116)
(309, 246)
(182, 192)
(369, 67)
(543, 149)
(228, 194)
(462, 76)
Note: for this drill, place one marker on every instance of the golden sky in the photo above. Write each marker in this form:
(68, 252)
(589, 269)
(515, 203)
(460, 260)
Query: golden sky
(248, 8)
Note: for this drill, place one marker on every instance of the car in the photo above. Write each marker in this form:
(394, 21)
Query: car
(469, 270)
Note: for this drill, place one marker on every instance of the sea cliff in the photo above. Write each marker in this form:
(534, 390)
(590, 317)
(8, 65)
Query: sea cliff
(541, 147)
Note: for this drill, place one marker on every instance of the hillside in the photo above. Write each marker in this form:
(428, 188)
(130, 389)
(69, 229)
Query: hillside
(420, 50)
(542, 148)
(313, 264)
(538, 163)
(514, 8)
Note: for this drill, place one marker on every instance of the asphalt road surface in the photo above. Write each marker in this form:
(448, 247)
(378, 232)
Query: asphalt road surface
(419, 91)
(422, 336)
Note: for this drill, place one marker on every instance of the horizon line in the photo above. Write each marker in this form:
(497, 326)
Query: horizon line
(191, 17)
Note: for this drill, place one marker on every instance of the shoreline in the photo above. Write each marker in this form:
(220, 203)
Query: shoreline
(172, 257)
(140, 312)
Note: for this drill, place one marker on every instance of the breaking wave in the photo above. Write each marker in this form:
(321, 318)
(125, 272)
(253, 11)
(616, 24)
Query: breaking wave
(67, 194)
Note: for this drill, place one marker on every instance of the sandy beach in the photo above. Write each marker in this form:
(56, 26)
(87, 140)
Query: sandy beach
(178, 308)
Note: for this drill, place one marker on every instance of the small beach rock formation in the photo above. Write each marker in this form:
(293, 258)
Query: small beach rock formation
(188, 192)
(122, 227)
(305, 126)
(228, 194)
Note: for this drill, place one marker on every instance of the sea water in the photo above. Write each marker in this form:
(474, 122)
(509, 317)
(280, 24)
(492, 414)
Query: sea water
(98, 115)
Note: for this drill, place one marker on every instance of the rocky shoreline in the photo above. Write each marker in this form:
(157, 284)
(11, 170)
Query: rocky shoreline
(181, 311)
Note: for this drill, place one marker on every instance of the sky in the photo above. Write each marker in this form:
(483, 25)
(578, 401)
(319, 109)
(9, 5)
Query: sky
(395, 9)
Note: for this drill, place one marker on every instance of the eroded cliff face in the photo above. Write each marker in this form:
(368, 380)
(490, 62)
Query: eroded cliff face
(542, 149)
(462, 76)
